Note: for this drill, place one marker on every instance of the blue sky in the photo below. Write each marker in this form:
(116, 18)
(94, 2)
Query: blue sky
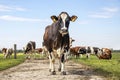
(98, 22)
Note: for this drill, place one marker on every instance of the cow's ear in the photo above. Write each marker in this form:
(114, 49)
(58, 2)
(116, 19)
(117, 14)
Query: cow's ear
(73, 18)
(54, 18)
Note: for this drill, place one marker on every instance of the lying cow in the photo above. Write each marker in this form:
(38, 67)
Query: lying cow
(105, 54)
(29, 49)
(7, 52)
(56, 40)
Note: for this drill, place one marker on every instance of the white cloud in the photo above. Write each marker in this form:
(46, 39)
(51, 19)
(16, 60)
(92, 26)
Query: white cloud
(106, 12)
(4, 8)
(110, 9)
(14, 18)
(100, 15)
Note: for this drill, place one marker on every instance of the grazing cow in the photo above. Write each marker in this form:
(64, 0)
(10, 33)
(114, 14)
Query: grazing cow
(38, 50)
(29, 49)
(7, 52)
(95, 50)
(75, 51)
(56, 40)
(105, 54)
(79, 50)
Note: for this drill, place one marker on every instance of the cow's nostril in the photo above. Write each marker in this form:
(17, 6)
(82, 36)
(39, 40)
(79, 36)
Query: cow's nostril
(64, 30)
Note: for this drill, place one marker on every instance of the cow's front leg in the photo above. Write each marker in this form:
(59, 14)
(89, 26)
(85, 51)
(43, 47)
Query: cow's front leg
(63, 72)
(52, 64)
(59, 69)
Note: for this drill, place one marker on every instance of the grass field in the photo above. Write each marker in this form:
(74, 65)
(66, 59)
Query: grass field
(106, 68)
(7, 63)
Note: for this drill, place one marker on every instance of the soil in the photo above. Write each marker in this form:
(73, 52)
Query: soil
(39, 70)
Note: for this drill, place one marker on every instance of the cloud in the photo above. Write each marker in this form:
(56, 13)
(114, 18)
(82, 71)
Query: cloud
(106, 12)
(14, 18)
(100, 15)
(110, 9)
(4, 8)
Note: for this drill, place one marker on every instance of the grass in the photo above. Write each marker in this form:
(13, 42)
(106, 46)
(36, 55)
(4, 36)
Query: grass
(106, 68)
(7, 63)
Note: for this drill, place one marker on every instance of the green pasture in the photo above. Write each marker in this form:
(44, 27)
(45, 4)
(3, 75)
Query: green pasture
(106, 68)
(7, 63)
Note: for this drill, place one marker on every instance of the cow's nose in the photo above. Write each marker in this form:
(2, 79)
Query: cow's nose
(64, 30)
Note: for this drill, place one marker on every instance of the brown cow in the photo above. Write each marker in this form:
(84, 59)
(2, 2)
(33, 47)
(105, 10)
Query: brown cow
(105, 54)
(56, 40)
(78, 50)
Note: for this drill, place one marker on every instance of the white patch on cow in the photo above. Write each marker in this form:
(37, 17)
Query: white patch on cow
(60, 51)
(92, 50)
(64, 16)
(78, 50)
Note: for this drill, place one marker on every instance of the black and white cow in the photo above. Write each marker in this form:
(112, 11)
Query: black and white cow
(56, 40)
(29, 49)
(7, 52)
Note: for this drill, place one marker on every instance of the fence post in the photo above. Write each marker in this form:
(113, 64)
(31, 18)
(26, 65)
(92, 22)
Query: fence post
(15, 47)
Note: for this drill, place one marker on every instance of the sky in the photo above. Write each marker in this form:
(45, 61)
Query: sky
(97, 25)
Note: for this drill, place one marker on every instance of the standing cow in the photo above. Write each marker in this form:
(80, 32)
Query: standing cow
(79, 50)
(56, 40)
(7, 52)
(29, 49)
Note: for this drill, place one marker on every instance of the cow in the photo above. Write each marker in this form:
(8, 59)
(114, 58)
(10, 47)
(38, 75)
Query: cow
(38, 50)
(56, 40)
(104, 54)
(71, 40)
(74, 51)
(95, 50)
(78, 50)
(29, 49)
(7, 52)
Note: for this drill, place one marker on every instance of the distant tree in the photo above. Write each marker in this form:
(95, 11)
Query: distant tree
(20, 51)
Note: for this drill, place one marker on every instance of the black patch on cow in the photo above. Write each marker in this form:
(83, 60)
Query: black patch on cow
(62, 58)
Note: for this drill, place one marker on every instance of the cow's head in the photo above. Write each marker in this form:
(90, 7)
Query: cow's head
(71, 40)
(63, 20)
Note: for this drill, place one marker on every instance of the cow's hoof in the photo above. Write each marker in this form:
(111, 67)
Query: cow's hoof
(63, 73)
(49, 70)
(53, 73)
(59, 69)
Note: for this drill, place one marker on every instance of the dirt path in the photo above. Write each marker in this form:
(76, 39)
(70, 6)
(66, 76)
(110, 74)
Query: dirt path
(38, 70)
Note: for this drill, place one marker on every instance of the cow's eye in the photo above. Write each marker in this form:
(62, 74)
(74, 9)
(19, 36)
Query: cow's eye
(67, 23)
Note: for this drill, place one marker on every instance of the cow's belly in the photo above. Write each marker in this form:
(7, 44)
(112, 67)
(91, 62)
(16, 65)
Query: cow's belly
(57, 53)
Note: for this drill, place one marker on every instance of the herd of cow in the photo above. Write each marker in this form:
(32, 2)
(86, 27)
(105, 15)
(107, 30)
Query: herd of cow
(58, 44)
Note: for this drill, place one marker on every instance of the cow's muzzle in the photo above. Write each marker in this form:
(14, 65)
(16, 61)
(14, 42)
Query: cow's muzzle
(63, 31)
